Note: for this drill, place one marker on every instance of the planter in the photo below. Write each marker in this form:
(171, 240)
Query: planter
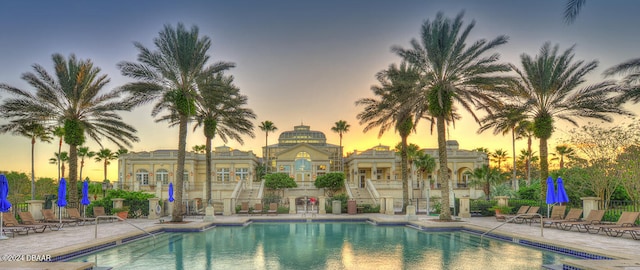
(123, 215)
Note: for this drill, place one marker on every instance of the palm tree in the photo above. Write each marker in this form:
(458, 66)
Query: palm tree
(563, 151)
(170, 75)
(413, 153)
(73, 98)
(631, 80)
(453, 72)
(486, 176)
(505, 120)
(525, 129)
(58, 131)
(60, 159)
(572, 9)
(105, 155)
(221, 111)
(498, 156)
(267, 126)
(548, 89)
(390, 110)
(83, 152)
(341, 127)
(34, 131)
(425, 163)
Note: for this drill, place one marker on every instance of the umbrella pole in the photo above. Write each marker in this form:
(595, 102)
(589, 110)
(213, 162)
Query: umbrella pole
(2, 236)
(60, 216)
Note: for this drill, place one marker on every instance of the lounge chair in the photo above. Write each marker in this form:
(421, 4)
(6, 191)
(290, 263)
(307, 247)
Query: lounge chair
(523, 210)
(594, 217)
(529, 216)
(10, 225)
(50, 216)
(557, 213)
(273, 209)
(98, 211)
(257, 209)
(573, 215)
(75, 214)
(627, 219)
(27, 219)
(9, 220)
(244, 209)
(634, 231)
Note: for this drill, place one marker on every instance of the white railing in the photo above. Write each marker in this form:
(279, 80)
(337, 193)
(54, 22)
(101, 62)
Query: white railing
(237, 190)
(373, 192)
(261, 189)
(121, 219)
(347, 188)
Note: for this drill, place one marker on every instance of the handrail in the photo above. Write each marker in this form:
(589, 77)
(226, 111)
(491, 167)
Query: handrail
(121, 219)
(348, 190)
(373, 192)
(261, 189)
(513, 218)
(236, 191)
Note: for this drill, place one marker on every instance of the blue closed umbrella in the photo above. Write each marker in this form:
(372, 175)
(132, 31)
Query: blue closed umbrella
(551, 194)
(5, 205)
(62, 197)
(85, 197)
(561, 197)
(171, 199)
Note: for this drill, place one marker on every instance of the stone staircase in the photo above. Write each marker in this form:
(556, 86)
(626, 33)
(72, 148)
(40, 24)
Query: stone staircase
(361, 195)
(249, 195)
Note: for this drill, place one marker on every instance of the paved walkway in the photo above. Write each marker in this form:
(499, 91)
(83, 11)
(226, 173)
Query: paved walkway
(52, 242)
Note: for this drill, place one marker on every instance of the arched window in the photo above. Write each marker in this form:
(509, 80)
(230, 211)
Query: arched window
(163, 176)
(303, 161)
(142, 176)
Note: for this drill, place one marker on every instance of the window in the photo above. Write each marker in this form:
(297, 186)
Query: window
(162, 175)
(303, 161)
(321, 168)
(379, 174)
(185, 176)
(222, 174)
(284, 168)
(142, 176)
(242, 174)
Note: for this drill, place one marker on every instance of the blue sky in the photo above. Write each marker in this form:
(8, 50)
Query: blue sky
(297, 61)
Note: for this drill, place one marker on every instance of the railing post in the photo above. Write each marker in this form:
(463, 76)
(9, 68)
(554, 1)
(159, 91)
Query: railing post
(322, 200)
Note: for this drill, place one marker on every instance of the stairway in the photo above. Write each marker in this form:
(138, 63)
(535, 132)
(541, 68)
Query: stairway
(249, 195)
(361, 195)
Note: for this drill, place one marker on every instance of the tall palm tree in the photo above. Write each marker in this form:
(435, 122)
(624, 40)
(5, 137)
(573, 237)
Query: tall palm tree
(525, 129)
(170, 75)
(58, 131)
(60, 159)
(105, 155)
(75, 99)
(453, 72)
(388, 110)
(341, 127)
(33, 131)
(506, 119)
(267, 126)
(547, 86)
(84, 152)
(221, 110)
(413, 153)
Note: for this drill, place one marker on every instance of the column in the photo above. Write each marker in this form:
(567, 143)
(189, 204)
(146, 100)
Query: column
(227, 207)
(292, 205)
(383, 205)
(464, 207)
(502, 200)
(322, 201)
(389, 210)
(35, 208)
(588, 204)
(154, 208)
(117, 202)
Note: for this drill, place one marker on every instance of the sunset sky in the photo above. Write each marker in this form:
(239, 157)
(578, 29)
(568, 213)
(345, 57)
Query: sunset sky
(297, 61)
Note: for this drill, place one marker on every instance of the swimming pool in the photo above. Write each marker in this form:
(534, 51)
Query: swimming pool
(313, 245)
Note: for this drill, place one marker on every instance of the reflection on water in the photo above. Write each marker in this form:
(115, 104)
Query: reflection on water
(320, 246)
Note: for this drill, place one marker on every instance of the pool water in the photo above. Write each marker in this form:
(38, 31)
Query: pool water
(321, 246)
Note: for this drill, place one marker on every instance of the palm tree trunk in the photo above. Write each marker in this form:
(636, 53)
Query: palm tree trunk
(81, 167)
(182, 147)
(405, 175)
(59, 161)
(266, 152)
(341, 155)
(544, 166)
(445, 213)
(33, 170)
(104, 165)
(529, 161)
(73, 175)
(209, 170)
(513, 148)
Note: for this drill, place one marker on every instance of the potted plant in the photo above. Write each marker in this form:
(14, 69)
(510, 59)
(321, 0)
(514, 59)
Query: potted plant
(122, 212)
